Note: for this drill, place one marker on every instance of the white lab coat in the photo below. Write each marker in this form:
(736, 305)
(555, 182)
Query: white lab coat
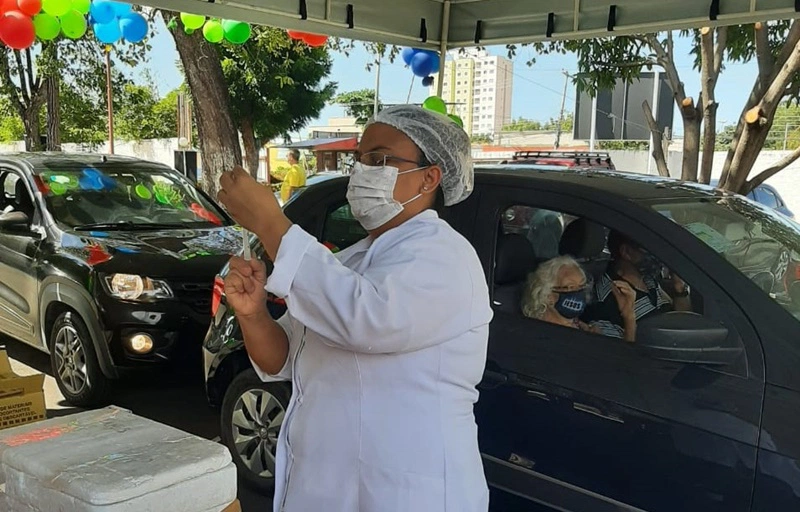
(387, 343)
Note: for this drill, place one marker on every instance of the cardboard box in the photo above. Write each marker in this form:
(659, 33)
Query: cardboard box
(233, 507)
(21, 398)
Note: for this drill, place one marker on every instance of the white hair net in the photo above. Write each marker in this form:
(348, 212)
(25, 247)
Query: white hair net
(443, 143)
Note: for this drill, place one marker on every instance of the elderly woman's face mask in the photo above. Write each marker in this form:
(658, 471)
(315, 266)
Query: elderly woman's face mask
(370, 192)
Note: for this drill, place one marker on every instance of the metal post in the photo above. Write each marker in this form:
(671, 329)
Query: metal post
(593, 133)
(443, 46)
(785, 135)
(561, 113)
(110, 102)
(656, 89)
(377, 85)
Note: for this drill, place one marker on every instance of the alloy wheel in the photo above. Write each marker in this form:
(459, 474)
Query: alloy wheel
(71, 360)
(256, 422)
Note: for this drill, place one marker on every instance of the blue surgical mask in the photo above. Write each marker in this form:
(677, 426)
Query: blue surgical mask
(571, 305)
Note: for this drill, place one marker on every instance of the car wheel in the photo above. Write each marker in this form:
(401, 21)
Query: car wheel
(74, 363)
(252, 414)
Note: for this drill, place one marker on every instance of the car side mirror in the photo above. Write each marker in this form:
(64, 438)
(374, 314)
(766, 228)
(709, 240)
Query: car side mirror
(15, 220)
(686, 337)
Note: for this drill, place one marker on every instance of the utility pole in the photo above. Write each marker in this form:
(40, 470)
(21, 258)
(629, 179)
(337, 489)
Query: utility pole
(110, 100)
(561, 113)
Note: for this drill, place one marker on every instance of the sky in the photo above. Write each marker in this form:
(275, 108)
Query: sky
(537, 89)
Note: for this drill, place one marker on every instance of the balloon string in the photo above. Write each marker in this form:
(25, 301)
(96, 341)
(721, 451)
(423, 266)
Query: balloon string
(408, 98)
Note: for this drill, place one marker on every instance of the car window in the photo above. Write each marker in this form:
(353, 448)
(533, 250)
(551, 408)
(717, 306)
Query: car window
(133, 194)
(757, 241)
(767, 197)
(525, 283)
(341, 229)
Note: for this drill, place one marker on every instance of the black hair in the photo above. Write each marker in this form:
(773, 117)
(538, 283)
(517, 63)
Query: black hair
(615, 242)
(295, 154)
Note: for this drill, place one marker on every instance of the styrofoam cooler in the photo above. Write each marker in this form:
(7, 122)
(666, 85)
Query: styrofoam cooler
(111, 460)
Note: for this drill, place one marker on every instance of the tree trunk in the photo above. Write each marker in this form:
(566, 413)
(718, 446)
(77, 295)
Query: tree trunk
(217, 133)
(251, 149)
(691, 145)
(30, 120)
(709, 142)
(53, 114)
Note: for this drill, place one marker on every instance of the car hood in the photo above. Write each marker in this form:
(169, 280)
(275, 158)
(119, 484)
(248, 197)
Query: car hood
(171, 252)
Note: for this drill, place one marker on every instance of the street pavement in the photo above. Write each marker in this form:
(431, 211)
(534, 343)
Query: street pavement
(175, 398)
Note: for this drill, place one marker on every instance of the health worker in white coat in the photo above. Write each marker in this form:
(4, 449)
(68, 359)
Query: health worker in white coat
(385, 341)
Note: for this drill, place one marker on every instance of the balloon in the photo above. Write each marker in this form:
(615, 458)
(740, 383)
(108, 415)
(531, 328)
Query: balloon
(16, 30)
(456, 120)
(73, 24)
(408, 54)
(435, 59)
(121, 8)
(295, 34)
(435, 104)
(108, 33)
(315, 40)
(56, 7)
(422, 64)
(133, 26)
(142, 191)
(82, 6)
(427, 81)
(30, 7)
(46, 27)
(173, 24)
(8, 6)
(102, 12)
(213, 31)
(58, 189)
(192, 21)
(236, 32)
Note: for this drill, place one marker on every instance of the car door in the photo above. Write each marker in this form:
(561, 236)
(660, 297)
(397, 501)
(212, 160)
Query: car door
(581, 422)
(19, 246)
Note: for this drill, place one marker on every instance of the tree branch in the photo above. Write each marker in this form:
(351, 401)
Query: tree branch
(719, 51)
(766, 62)
(667, 60)
(23, 85)
(782, 78)
(8, 84)
(658, 148)
(34, 84)
(792, 38)
(766, 174)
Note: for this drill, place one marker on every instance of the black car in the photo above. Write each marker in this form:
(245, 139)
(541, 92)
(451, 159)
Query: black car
(106, 263)
(701, 413)
(768, 196)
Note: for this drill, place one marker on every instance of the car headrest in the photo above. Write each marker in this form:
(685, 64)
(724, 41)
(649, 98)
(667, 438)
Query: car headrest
(515, 258)
(22, 198)
(583, 239)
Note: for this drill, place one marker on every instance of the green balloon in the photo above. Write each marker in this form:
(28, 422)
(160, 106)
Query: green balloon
(57, 7)
(161, 199)
(189, 31)
(192, 21)
(236, 32)
(47, 27)
(213, 31)
(82, 6)
(456, 120)
(435, 104)
(142, 191)
(58, 189)
(73, 24)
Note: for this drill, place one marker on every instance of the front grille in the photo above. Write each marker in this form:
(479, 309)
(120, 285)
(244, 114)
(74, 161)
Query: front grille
(196, 295)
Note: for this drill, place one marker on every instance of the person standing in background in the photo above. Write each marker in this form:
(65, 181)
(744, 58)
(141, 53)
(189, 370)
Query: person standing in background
(295, 176)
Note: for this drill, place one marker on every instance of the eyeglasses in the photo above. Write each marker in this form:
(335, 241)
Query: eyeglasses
(378, 158)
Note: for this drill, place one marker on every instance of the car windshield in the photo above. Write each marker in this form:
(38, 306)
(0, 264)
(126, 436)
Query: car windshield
(762, 244)
(125, 196)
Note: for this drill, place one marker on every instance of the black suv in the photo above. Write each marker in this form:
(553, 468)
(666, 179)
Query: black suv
(106, 263)
(701, 413)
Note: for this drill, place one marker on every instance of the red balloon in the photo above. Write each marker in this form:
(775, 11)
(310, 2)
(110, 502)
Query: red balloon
(315, 40)
(16, 30)
(8, 5)
(294, 34)
(30, 7)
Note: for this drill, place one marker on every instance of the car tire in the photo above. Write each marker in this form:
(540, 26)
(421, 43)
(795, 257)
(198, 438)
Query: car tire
(74, 363)
(252, 414)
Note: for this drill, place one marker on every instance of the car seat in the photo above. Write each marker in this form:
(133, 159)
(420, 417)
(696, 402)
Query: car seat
(586, 241)
(514, 259)
(22, 199)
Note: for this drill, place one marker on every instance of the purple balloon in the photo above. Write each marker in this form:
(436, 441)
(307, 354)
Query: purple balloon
(133, 26)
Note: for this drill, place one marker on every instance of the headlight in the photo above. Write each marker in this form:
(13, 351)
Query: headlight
(133, 287)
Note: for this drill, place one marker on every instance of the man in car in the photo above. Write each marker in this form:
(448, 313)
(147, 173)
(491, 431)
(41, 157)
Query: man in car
(645, 274)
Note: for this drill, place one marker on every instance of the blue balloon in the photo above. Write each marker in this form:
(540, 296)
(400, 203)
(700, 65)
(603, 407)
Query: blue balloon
(108, 183)
(90, 183)
(422, 64)
(435, 57)
(407, 54)
(108, 33)
(121, 8)
(102, 12)
(134, 27)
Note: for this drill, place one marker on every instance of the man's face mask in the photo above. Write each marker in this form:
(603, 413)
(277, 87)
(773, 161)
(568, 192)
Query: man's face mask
(370, 194)
(648, 265)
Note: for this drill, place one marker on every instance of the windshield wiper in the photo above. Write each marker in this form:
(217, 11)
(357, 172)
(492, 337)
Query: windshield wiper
(127, 225)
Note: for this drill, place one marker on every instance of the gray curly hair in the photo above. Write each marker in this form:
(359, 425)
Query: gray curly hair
(540, 284)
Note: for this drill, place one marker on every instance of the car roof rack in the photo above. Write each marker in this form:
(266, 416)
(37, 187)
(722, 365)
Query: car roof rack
(570, 155)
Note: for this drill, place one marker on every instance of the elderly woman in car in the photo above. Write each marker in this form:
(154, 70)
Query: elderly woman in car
(557, 292)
